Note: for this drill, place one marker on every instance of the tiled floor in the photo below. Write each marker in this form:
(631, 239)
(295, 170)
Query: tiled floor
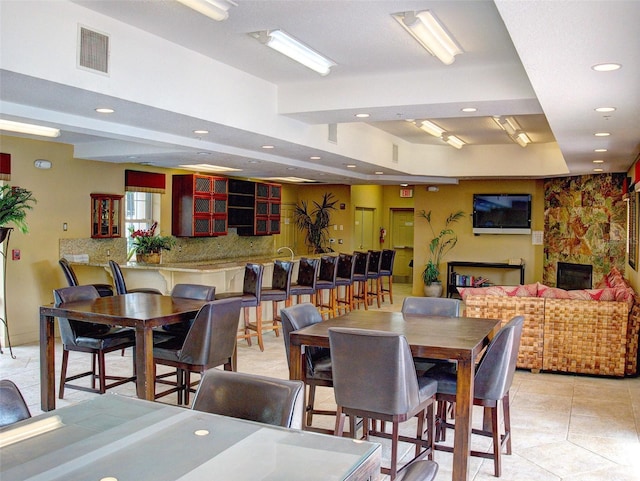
(569, 428)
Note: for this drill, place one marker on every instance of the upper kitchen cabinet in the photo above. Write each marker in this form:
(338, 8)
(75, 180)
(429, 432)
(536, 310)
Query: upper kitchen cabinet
(106, 216)
(254, 207)
(199, 205)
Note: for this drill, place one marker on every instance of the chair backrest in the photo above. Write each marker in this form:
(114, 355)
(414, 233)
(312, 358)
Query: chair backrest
(328, 268)
(386, 261)
(199, 292)
(118, 278)
(252, 282)
(421, 470)
(375, 257)
(278, 402)
(13, 408)
(72, 279)
(346, 266)
(281, 278)
(361, 263)
(211, 338)
(308, 272)
(497, 367)
(298, 317)
(71, 330)
(373, 371)
(431, 306)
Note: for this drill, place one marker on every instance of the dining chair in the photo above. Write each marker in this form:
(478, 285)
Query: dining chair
(344, 279)
(279, 291)
(386, 272)
(200, 292)
(360, 284)
(305, 285)
(121, 286)
(492, 382)
(374, 378)
(210, 342)
(96, 339)
(251, 296)
(13, 407)
(327, 282)
(421, 470)
(72, 279)
(267, 400)
(373, 276)
(317, 368)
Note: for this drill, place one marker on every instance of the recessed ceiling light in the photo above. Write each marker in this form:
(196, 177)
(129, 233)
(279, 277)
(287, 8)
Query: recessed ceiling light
(291, 168)
(600, 150)
(253, 162)
(605, 109)
(204, 153)
(378, 172)
(268, 147)
(351, 166)
(200, 131)
(606, 67)
(315, 157)
(404, 185)
(104, 110)
(602, 134)
(598, 161)
(469, 109)
(362, 116)
(598, 170)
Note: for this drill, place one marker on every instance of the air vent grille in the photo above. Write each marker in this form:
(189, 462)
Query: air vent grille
(93, 50)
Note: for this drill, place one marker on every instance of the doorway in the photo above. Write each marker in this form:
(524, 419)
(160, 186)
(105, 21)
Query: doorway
(363, 229)
(401, 240)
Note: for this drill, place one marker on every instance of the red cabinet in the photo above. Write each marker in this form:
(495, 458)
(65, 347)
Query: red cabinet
(106, 216)
(199, 205)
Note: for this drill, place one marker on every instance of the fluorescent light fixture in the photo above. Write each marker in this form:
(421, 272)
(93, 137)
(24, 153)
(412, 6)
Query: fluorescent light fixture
(522, 138)
(21, 128)
(215, 9)
(425, 28)
(453, 141)
(606, 67)
(431, 128)
(290, 179)
(294, 49)
(105, 110)
(209, 168)
(508, 124)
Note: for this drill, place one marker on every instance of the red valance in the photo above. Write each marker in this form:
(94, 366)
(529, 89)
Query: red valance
(136, 181)
(5, 166)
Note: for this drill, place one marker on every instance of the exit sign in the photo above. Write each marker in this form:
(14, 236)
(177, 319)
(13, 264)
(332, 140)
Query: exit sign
(406, 192)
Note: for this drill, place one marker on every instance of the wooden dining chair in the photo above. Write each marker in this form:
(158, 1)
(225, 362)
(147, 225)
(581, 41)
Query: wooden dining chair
(72, 279)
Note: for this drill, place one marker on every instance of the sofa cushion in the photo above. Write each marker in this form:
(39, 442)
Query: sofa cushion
(526, 290)
(604, 294)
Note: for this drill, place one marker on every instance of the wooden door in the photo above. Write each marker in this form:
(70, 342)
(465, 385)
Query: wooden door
(401, 239)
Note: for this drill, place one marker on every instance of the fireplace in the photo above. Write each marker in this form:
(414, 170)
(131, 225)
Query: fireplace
(574, 276)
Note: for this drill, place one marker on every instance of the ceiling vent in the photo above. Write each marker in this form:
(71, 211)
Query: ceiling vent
(93, 50)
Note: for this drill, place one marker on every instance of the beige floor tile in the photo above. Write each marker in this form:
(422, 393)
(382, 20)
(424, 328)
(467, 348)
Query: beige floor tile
(620, 451)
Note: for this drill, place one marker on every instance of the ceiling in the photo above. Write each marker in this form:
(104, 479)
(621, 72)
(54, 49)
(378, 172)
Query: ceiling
(527, 59)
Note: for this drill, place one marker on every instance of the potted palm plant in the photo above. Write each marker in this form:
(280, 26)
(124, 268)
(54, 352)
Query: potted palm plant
(14, 204)
(440, 244)
(315, 221)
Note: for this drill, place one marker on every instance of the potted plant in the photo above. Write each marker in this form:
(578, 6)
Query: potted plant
(439, 245)
(315, 222)
(148, 246)
(14, 204)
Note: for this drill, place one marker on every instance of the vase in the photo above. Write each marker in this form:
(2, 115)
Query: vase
(433, 290)
(150, 258)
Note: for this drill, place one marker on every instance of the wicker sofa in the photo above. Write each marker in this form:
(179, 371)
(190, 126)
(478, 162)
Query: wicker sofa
(598, 337)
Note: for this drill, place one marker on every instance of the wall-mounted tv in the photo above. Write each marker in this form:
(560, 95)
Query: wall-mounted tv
(502, 214)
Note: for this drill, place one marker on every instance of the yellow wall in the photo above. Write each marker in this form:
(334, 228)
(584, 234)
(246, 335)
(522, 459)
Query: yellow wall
(632, 274)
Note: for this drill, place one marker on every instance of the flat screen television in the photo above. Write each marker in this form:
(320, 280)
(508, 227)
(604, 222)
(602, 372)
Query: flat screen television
(502, 213)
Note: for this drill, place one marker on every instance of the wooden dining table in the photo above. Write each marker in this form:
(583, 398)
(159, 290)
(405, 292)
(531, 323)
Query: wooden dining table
(436, 337)
(141, 311)
(114, 437)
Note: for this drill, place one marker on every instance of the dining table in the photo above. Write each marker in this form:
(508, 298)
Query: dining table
(117, 438)
(436, 337)
(141, 311)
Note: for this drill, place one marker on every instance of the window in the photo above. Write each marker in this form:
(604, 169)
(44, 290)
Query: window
(141, 210)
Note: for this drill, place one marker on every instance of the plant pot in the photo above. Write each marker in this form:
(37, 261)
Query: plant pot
(433, 290)
(151, 258)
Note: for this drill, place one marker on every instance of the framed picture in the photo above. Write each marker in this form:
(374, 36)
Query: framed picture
(632, 237)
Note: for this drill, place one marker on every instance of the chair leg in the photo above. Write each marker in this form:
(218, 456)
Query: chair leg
(63, 372)
(259, 326)
(340, 418)
(497, 446)
(310, 404)
(101, 374)
(276, 317)
(93, 370)
(395, 437)
(506, 415)
(247, 332)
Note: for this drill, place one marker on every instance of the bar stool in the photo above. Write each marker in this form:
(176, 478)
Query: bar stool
(307, 279)
(344, 278)
(360, 291)
(103, 289)
(251, 297)
(278, 292)
(327, 282)
(373, 276)
(386, 272)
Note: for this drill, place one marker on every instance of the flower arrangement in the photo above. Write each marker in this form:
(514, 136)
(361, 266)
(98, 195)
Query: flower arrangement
(146, 242)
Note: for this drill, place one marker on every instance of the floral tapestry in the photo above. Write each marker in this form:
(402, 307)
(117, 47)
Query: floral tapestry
(585, 223)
